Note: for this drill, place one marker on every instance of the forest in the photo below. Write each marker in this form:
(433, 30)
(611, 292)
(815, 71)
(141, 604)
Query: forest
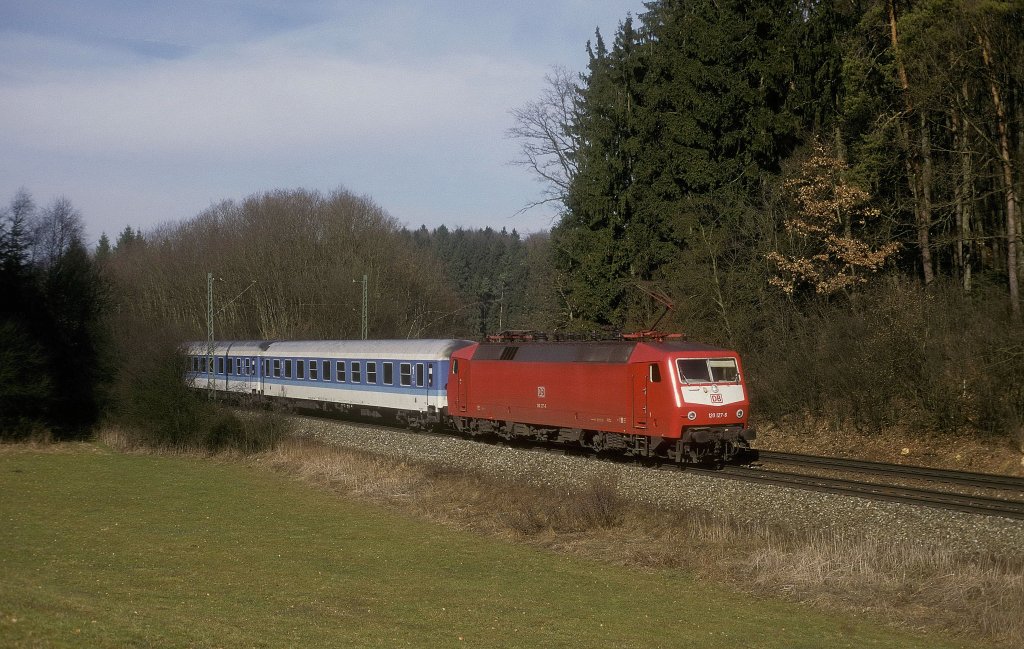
(830, 188)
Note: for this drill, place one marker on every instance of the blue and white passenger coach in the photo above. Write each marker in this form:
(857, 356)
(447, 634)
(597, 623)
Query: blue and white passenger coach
(403, 379)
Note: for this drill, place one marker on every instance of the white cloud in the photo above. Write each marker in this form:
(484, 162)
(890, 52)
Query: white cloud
(403, 100)
(259, 99)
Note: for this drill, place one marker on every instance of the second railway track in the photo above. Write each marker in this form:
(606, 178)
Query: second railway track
(945, 476)
(972, 504)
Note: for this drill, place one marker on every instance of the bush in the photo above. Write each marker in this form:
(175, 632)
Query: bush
(531, 510)
(157, 408)
(897, 355)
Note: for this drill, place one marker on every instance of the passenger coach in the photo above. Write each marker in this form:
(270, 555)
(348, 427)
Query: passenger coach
(400, 379)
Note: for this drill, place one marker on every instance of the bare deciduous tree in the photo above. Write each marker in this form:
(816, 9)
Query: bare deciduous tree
(548, 140)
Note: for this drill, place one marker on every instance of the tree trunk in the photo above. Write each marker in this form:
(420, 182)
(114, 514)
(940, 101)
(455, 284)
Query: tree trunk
(919, 189)
(963, 191)
(1006, 163)
(924, 224)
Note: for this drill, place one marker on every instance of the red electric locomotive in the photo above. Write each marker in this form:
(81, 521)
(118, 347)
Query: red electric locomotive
(648, 398)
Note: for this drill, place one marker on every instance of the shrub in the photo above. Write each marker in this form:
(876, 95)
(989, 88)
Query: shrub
(897, 355)
(155, 407)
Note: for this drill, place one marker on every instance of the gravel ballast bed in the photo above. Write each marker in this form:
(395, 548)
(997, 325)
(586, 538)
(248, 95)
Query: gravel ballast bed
(764, 505)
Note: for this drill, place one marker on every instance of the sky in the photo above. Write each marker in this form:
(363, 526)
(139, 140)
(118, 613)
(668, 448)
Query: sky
(145, 112)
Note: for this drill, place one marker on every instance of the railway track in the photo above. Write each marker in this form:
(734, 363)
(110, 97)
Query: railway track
(973, 504)
(946, 476)
(943, 499)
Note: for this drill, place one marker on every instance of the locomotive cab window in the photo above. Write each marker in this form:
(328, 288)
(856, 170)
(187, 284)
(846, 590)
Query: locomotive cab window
(723, 370)
(708, 370)
(654, 371)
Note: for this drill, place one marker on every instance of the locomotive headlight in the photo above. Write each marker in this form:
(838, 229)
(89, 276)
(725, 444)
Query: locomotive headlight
(739, 414)
(691, 415)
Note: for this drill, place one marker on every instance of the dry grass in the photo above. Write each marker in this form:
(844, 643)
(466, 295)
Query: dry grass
(906, 585)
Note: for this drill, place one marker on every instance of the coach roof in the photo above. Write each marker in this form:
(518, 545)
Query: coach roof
(385, 349)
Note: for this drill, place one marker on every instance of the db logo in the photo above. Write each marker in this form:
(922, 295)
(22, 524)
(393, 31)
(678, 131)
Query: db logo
(716, 398)
(541, 392)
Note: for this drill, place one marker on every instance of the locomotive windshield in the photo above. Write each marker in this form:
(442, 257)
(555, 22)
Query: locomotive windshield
(708, 370)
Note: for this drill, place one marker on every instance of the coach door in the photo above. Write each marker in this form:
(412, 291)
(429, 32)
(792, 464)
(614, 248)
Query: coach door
(641, 380)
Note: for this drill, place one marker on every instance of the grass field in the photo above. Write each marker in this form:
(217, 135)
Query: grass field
(104, 549)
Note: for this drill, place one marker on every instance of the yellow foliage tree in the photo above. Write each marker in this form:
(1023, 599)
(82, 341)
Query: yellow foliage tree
(829, 209)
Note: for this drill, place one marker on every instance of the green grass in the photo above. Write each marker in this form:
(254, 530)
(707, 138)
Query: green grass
(108, 550)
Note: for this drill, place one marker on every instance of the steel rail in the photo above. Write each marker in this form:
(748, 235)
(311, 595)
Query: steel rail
(981, 505)
(963, 478)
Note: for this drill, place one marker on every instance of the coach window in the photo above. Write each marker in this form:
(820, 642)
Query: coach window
(300, 369)
(357, 372)
(406, 369)
(389, 373)
(312, 371)
(287, 368)
(430, 376)
(277, 367)
(220, 365)
(238, 366)
(340, 366)
(326, 366)
(371, 372)
(419, 375)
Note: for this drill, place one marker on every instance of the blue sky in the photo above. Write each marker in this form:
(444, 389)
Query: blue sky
(147, 112)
